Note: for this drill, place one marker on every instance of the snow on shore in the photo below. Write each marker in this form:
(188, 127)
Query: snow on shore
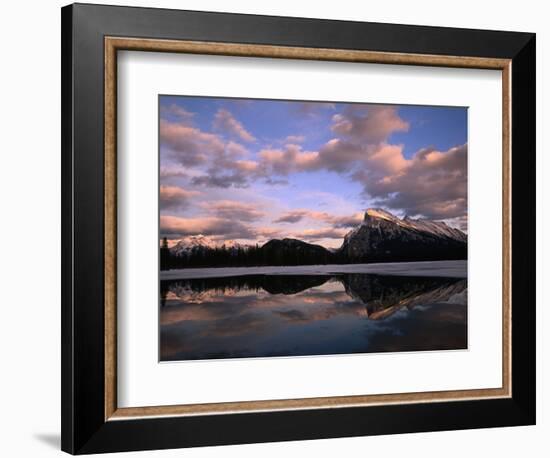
(454, 269)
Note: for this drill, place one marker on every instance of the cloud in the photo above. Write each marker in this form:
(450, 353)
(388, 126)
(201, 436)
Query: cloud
(234, 150)
(268, 232)
(213, 226)
(172, 171)
(231, 209)
(227, 170)
(216, 227)
(347, 221)
(177, 112)
(340, 155)
(225, 122)
(246, 165)
(175, 197)
(295, 139)
(295, 216)
(388, 159)
(275, 182)
(460, 222)
(323, 233)
(312, 109)
(363, 133)
(432, 184)
(343, 156)
(337, 155)
(189, 145)
(214, 179)
(285, 161)
(228, 165)
(291, 216)
(369, 123)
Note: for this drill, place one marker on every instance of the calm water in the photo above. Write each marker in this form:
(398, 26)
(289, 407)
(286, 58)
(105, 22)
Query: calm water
(292, 315)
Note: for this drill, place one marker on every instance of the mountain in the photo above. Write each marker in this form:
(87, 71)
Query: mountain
(376, 297)
(289, 252)
(187, 245)
(383, 236)
(384, 295)
(202, 251)
(201, 243)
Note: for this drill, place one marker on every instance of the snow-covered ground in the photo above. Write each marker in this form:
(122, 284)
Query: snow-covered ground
(455, 269)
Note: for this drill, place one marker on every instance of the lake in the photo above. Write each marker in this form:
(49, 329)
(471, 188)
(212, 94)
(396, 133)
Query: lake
(269, 315)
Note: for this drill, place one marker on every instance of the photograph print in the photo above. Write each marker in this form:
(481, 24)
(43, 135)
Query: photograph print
(298, 228)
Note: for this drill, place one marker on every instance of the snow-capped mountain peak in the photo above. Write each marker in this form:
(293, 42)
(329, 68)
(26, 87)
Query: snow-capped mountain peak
(383, 236)
(380, 213)
(436, 228)
(192, 242)
(187, 245)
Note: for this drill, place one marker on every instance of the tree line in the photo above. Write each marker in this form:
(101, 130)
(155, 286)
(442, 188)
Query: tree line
(298, 253)
(266, 255)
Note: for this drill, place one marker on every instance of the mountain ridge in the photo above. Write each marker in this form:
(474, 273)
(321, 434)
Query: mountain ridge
(380, 237)
(383, 236)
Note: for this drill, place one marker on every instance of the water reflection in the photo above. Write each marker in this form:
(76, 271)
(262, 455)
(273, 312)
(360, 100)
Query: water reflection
(291, 315)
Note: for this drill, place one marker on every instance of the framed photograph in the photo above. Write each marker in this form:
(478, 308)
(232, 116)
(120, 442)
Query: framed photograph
(282, 228)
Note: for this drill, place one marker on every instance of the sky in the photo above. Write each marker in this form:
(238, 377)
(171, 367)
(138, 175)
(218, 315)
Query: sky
(251, 170)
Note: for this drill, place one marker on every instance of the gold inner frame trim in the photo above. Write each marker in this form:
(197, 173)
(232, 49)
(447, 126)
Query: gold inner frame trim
(114, 44)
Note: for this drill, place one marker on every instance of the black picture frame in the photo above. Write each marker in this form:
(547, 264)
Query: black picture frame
(84, 428)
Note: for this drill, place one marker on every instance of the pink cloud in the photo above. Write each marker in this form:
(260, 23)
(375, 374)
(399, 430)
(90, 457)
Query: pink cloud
(295, 139)
(178, 112)
(231, 209)
(267, 232)
(388, 159)
(234, 149)
(432, 184)
(174, 196)
(214, 226)
(323, 233)
(347, 221)
(247, 166)
(284, 161)
(312, 109)
(172, 171)
(294, 216)
(339, 155)
(189, 145)
(370, 123)
(224, 121)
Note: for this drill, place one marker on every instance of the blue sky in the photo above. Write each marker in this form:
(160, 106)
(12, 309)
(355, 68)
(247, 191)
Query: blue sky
(252, 170)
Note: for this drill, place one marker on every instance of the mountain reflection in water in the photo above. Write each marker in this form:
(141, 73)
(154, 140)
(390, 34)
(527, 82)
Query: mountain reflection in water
(297, 315)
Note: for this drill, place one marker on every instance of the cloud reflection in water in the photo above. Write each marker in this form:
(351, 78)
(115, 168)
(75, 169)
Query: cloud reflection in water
(298, 315)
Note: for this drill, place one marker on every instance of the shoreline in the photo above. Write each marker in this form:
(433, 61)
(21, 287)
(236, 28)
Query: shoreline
(451, 269)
